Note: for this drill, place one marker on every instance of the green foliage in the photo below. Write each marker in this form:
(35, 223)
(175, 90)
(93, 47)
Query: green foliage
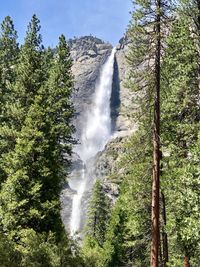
(35, 141)
(43, 250)
(8, 59)
(8, 53)
(128, 235)
(98, 214)
(180, 130)
(92, 253)
(9, 255)
(95, 230)
(37, 250)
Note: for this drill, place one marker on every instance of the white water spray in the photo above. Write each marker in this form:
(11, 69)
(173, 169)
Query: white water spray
(96, 134)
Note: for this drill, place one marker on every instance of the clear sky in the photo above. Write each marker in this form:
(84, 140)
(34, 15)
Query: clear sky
(105, 19)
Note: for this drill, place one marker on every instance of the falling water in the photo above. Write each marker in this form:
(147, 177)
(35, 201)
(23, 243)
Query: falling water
(96, 134)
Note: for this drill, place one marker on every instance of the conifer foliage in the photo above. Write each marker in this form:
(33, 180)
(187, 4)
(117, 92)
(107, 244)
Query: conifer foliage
(181, 127)
(9, 52)
(35, 142)
(98, 215)
(145, 56)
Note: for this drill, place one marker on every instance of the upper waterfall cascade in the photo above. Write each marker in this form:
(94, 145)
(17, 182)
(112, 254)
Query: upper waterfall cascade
(95, 135)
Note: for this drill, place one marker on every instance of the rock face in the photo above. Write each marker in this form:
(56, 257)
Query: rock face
(124, 122)
(89, 54)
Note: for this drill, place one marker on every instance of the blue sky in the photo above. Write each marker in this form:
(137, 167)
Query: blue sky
(106, 19)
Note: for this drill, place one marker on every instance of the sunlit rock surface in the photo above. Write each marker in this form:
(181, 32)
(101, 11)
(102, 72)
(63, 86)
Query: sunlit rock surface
(89, 54)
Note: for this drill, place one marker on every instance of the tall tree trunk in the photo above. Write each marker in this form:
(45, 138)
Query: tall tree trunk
(198, 41)
(164, 234)
(155, 233)
(186, 261)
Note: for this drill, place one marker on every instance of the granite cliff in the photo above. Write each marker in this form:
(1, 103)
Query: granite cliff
(89, 54)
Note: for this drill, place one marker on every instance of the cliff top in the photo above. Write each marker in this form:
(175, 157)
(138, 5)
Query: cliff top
(87, 45)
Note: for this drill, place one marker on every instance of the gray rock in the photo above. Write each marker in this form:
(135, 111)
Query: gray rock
(125, 123)
(88, 54)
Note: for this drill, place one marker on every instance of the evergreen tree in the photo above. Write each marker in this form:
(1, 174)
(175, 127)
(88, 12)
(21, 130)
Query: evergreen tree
(8, 53)
(146, 33)
(28, 78)
(36, 138)
(8, 59)
(98, 215)
(30, 74)
(128, 234)
(58, 101)
(96, 225)
(35, 167)
(180, 123)
(26, 86)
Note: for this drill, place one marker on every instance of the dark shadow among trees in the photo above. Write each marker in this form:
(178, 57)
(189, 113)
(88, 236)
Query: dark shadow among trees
(115, 96)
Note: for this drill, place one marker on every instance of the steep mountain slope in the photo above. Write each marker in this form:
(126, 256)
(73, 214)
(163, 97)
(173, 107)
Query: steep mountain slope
(89, 54)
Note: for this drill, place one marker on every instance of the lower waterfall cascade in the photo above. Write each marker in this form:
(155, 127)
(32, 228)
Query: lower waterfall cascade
(95, 135)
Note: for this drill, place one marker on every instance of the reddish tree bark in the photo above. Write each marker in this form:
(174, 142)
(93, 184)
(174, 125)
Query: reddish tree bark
(155, 233)
(187, 261)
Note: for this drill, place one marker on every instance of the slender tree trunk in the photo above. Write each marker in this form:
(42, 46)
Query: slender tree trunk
(164, 234)
(187, 261)
(198, 41)
(160, 250)
(155, 233)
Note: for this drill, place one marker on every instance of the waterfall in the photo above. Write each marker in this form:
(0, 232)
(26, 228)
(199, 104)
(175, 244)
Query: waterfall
(95, 135)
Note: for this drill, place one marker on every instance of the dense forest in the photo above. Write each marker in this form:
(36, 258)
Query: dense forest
(35, 137)
(155, 220)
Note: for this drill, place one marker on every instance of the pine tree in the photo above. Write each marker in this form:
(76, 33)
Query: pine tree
(180, 124)
(156, 143)
(37, 135)
(9, 51)
(98, 215)
(58, 128)
(27, 82)
(59, 105)
(146, 33)
(30, 75)
(128, 233)
(28, 78)
(35, 167)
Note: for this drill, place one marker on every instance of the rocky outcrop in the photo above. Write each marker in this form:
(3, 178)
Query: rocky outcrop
(107, 167)
(88, 54)
(125, 124)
